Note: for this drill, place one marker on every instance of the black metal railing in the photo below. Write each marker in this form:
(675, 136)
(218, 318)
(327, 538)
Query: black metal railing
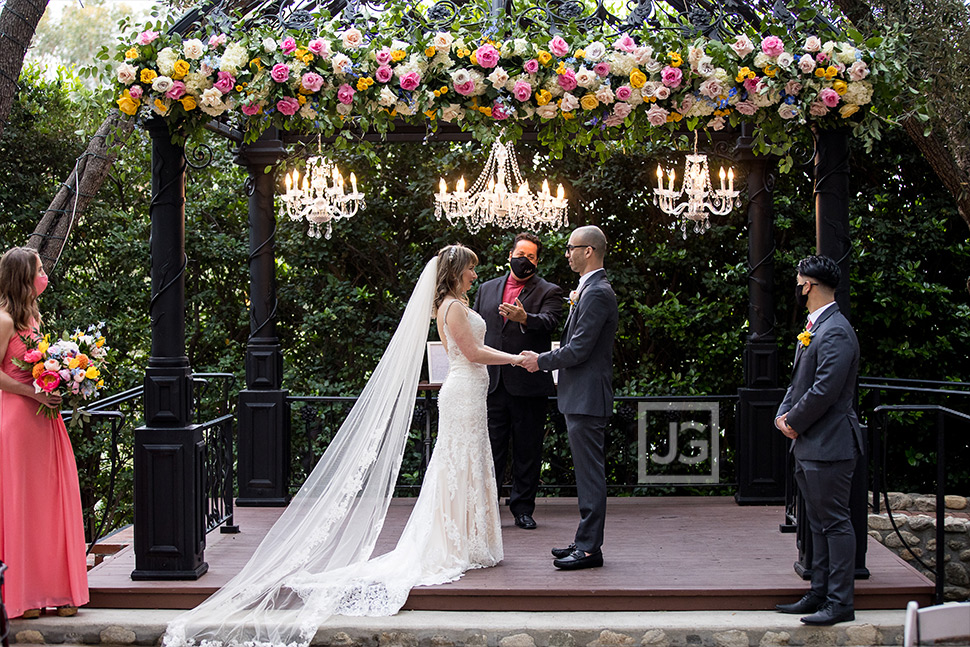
(319, 418)
(880, 417)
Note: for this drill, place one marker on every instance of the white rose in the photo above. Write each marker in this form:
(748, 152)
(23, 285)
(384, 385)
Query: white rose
(654, 66)
(460, 77)
(605, 95)
(806, 64)
(340, 63)
(695, 54)
(162, 84)
(387, 98)
(704, 66)
(499, 77)
(344, 108)
(787, 111)
(307, 111)
(587, 78)
(785, 59)
(193, 49)
(761, 59)
(166, 61)
(663, 93)
(443, 40)
(858, 71)
(352, 38)
(547, 111)
(452, 112)
(812, 44)
(211, 97)
(126, 73)
(269, 45)
(595, 51)
(569, 103)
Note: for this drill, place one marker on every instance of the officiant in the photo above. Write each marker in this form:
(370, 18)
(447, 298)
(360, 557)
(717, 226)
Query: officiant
(521, 312)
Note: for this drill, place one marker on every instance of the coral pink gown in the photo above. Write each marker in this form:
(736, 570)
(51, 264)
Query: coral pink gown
(41, 528)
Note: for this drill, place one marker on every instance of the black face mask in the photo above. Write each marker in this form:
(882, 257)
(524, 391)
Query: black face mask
(522, 267)
(801, 299)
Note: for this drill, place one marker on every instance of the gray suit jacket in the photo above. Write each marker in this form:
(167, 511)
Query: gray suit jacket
(585, 358)
(820, 398)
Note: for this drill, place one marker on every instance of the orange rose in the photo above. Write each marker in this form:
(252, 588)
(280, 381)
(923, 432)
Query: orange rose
(38, 369)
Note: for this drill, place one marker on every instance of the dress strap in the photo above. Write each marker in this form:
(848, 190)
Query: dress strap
(445, 318)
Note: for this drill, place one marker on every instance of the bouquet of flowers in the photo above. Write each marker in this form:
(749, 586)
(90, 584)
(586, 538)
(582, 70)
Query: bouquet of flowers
(70, 366)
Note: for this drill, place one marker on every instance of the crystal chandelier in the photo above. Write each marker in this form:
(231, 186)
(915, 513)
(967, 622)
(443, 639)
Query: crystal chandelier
(492, 200)
(322, 196)
(702, 199)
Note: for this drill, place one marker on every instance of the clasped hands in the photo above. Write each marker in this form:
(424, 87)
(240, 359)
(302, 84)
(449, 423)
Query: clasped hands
(782, 423)
(527, 359)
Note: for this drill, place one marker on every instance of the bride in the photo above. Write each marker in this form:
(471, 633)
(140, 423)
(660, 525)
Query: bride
(315, 562)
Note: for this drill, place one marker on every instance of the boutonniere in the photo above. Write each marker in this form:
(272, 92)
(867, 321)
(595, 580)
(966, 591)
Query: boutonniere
(573, 297)
(805, 337)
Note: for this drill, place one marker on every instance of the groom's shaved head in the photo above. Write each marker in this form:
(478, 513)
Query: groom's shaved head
(592, 235)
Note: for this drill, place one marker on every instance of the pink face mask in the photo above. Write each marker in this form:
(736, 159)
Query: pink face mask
(40, 284)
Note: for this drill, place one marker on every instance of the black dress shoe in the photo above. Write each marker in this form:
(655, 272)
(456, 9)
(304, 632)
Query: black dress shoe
(810, 603)
(559, 553)
(579, 559)
(525, 521)
(830, 614)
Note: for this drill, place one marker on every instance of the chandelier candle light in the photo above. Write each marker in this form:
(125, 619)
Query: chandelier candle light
(702, 199)
(322, 197)
(494, 201)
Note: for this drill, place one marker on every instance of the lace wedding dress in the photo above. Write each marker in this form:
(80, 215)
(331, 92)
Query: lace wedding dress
(316, 560)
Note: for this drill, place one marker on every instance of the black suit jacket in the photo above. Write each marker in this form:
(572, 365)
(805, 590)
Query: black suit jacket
(542, 301)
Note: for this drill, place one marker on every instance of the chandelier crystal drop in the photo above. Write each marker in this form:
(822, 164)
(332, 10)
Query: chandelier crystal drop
(320, 196)
(702, 199)
(494, 200)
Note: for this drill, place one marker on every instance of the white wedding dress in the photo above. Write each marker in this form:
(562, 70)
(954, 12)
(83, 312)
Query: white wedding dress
(316, 560)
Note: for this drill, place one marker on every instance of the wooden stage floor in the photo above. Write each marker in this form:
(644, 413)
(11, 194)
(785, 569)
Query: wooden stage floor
(661, 553)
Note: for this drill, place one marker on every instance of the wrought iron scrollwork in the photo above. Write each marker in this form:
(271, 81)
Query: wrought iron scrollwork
(198, 156)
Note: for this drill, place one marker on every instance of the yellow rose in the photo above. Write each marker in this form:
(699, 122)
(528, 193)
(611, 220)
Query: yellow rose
(637, 78)
(744, 73)
(92, 373)
(132, 53)
(675, 59)
(567, 115)
(431, 51)
(180, 69)
(840, 86)
(147, 76)
(580, 53)
(257, 63)
(805, 337)
(543, 97)
(188, 103)
(473, 59)
(770, 71)
(589, 102)
(128, 106)
(398, 55)
(161, 107)
(831, 72)
(544, 57)
(848, 110)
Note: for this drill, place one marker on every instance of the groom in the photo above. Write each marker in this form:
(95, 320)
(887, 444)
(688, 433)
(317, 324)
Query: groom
(585, 397)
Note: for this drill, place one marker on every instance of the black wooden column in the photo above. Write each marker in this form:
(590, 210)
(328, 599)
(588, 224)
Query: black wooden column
(264, 421)
(833, 240)
(169, 466)
(761, 447)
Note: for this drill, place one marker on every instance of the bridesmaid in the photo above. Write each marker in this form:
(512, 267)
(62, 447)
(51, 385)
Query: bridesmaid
(41, 528)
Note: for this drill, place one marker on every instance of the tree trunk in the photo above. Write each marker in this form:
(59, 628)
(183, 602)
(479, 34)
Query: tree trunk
(18, 21)
(76, 193)
(946, 164)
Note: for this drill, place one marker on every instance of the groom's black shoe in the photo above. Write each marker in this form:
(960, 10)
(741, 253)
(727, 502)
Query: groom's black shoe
(810, 603)
(525, 521)
(559, 553)
(579, 559)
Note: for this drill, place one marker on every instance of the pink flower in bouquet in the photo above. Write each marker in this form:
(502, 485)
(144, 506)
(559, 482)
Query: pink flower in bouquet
(135, 92)
(216, 40)
(567, 80)
(623, 93)
(602, 69)
(288, 45)
(858, 71)
(48, 381)
(751, 85)
(33, 356)
(51, 365)
(383, 74)
(522, 91)
(250, 109)
(176, 91)
(622, 110)
(818, 109)
(288, 106)
(672, 77)
(657, 116)
(500, 111)
(772, 46)
(487, 56)
(410, 81)
(319, 47)
(742, 46)
(793, 88)
(829, 97)
(383, 56)
(225, 83)
(531, 66)
(280, 72)
(625, 44)
(569, 103)
(65, 374)
(746, 108)
(78, 375)
(558, 46)
(312, 82)
(146, 37)
(813, 44)
(822, 57)
(465, 89)
(345, 94)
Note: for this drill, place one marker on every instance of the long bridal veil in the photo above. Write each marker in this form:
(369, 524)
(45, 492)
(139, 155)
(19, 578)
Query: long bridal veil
(304, 569)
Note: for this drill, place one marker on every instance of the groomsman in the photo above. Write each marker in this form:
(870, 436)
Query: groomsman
(817, 414)
(585, 363)
(521, 311)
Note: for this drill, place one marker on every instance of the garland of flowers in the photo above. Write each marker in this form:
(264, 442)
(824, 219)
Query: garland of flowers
(572, 85)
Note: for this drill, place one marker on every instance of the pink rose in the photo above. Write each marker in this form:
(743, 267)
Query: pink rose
(345, 94)
(226, 83)
(622, 110)
(567, 80)
(218, 39)
(751, 85)
(250, 109)
(623, 93)
(317, 46)
(558, 46)
(822, 57)
(568, 103)
(487, 56)
(829, 97)
(711, 88)
(465, 89)
(280, 72)
(602, 69)
(522, 91)
(410, 81)
(746, 108)
(135, 92)
(613, 120)
(818, 109)
(531, 66)
(146, 37)
(383, 74)
(383, 56)
(657, 116)
(605, 94)
(625, 44)
(793, 88)
(33, 356)
(858, 71)
(772, 46)
(176, 91)
(500, 111)
(288, 45)
(672, 76)
(806, 64)
(813, 44)
(742, 46)
(288, 106)
(312, 82)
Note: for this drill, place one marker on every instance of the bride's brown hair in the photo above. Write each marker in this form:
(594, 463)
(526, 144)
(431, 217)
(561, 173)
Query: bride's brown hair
(453, 260)
(18, 267)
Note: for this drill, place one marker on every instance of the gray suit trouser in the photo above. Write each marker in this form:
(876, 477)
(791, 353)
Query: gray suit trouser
(587, 442)
(825, 486)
